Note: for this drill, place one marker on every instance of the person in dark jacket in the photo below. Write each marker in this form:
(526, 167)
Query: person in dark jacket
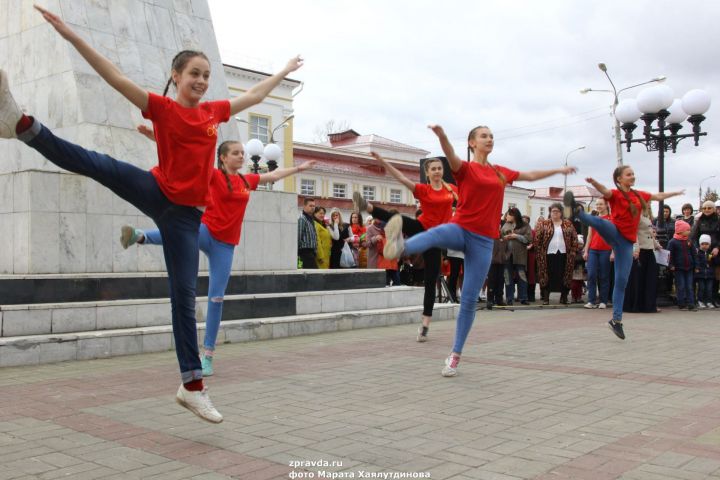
(682, 264)
(708, 223)
(705, 273)
(665, 227)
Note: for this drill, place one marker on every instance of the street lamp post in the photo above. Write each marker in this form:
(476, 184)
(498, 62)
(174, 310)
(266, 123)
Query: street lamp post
(566, 164)
(700, 190)
(657, 104)
(616, 93)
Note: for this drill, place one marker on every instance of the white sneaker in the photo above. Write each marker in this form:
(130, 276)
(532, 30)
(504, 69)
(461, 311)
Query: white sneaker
(395, 243)
(601, 305)
(198, 403)
(451, 364)
(590, 305)
(10, 113)
(420, 337)
(709, 305)
(701, 305)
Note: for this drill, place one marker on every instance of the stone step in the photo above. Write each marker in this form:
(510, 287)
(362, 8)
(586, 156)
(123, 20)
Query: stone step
(35, 349)
(68, 317)
(59, 288)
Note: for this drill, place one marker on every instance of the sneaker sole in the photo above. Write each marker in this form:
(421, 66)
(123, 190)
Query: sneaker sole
(187, 406)
(126, 234)
(422, 339)
(448, 374)
(393, 232)
(614, 332)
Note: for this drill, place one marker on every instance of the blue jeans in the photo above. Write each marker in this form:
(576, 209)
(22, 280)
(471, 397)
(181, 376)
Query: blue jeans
(598, 268)
(478, 255)
(220, 257)
(510, 272)
(684, 287)
(705, 290)
(176, 222)
(623, 257)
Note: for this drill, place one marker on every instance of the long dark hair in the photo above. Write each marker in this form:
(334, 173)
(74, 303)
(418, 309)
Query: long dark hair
(515, 212)
(221, 151)
(444, 183)
(179, 62)
(471, 135)
(633, 209)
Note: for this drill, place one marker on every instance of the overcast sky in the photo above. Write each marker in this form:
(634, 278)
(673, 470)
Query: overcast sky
(390, 68)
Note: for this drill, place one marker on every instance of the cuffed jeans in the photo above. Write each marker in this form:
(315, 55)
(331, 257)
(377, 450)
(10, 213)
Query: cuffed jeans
(623, 257)
(478, 255)
(177, 223)
(598, 269)
(220, 257)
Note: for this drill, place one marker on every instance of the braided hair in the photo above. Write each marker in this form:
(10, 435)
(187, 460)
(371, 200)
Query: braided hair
(222, 151)
(179, 62)
(633, 209)
(444, 183)
(471, 135)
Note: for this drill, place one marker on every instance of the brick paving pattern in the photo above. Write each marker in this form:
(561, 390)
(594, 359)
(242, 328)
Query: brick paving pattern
(549, 395)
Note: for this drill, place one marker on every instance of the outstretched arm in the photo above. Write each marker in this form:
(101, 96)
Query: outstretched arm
(453, 159)
(664, 195)
(104, 67)
(258, 92)
(281, 173)
(533, 175)
(606, 193)
(394, 172)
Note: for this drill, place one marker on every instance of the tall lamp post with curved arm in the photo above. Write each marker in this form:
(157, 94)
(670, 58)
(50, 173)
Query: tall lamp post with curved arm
(700, 190)
(616, 93)
(566, 164)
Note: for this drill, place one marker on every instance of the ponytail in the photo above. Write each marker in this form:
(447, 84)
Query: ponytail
(223, 150)
(178, 64)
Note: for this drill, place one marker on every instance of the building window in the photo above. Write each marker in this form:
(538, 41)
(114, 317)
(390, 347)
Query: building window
(307, 187)
(368, 192)
(259, 128)
(339, 190)
(542, 212)
(395, 196)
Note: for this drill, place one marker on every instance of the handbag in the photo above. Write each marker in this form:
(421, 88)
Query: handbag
(347, 259)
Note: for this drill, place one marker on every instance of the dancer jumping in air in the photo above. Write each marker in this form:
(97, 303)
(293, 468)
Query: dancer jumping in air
(220, 229)
(472, 229)
(172, 193)
(436, 201)
(620, 232)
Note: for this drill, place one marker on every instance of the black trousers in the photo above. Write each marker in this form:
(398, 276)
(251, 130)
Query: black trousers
(307, 256)
(432, 257)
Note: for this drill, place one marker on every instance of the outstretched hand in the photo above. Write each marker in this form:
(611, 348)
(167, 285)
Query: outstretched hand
(437, 130)
(568, 170)
(57, 23)
(294, 63)
(146, 131)
(590, 180)
(307, 165)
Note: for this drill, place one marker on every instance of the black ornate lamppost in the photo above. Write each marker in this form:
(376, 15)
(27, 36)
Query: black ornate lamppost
(662, 117)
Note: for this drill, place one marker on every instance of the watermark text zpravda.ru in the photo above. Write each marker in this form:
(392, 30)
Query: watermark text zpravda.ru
(315, 463)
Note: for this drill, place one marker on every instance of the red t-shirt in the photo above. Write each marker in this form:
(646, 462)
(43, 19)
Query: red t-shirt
(597, 242)
(186, 139)
(481, 197)
(436, 205)
(622, 216)
(224, 215)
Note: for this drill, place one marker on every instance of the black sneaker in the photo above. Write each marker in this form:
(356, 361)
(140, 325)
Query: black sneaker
(617, 329)
(570, 204)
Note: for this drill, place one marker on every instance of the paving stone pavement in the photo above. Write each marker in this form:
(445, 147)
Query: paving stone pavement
(549, 395)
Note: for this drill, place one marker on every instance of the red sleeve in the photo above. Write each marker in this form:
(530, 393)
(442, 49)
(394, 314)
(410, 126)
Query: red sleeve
(645, 195)
(221, 108)
(420, 191)
(156, 103)
(253, 179)
(462, 171)
(510, 175)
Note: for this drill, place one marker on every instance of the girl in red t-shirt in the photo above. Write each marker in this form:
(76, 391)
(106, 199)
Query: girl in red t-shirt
(620, 231)
(597, 255)
(436, 200)
(481, 187)
(173, 193)
(220, 229)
